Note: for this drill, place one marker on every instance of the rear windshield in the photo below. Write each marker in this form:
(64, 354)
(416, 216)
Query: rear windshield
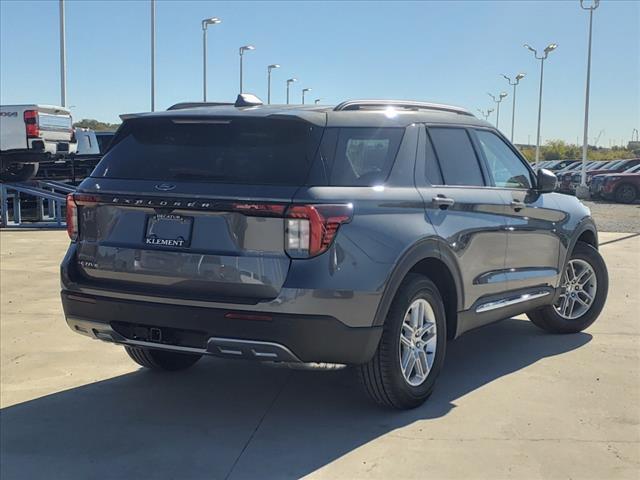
(236, 151)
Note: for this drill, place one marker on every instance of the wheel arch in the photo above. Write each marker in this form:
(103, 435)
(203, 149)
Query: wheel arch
(431, 258)
(586, 232)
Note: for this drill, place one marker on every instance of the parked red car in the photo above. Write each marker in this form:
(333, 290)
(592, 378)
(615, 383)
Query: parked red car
(623, 187)
(564, 175)
(569, 185)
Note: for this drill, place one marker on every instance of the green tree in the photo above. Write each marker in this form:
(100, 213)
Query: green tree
(96, 125)
(560, 150)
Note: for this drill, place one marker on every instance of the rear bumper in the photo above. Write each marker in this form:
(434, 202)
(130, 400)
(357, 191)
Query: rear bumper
(284, 337)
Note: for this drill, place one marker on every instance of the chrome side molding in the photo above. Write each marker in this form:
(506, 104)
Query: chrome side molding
(505, 302)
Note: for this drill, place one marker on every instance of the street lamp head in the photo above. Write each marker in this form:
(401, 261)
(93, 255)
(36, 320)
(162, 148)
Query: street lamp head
(317, 101)
(291, 80)
(271, 67)
(526, 45)
(520, 76)
(503, 94)
(210, 21)
(245, 48)
(593, 6)
(550, 48)
(506, 78)
(304, 90)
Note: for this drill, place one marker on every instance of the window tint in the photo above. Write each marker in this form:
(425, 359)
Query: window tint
(103, 142)
(432, 170)
(364, 156)
(456, 156)
(236, 151)
(507, 170)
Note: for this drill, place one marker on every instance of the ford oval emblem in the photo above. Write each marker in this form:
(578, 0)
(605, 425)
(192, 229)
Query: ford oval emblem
(165, 187)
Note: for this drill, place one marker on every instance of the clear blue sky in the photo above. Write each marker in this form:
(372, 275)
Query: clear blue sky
(451, 52)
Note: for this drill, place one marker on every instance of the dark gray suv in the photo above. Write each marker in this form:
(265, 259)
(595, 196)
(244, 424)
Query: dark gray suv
(367, 234)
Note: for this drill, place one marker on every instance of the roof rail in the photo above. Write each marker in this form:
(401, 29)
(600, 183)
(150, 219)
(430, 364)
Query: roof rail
(183, 105)
(401, 104)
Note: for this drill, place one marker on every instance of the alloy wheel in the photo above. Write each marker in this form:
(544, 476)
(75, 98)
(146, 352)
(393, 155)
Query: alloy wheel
(578, 290)
(418, 341)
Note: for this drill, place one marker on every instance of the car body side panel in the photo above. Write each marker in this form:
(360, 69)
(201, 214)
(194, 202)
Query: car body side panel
(472, 230)
(578, 219)
(533, 243)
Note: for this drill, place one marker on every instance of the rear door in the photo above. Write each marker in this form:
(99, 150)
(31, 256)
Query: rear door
(463, 211)
(194, 208)
(533, 219)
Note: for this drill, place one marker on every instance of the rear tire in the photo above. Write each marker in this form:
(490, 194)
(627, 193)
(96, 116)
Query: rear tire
(625, 193)
(548, 317)
(161, 359)
(19, 172)
(384, 378)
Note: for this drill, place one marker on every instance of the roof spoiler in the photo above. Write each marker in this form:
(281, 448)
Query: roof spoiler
(183, 105)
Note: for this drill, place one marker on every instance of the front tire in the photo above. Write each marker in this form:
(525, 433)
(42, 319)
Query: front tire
(403, 371)
(161, 360)
(584, 289)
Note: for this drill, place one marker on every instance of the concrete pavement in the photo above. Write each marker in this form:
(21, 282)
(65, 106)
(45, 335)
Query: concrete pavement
(512, 402)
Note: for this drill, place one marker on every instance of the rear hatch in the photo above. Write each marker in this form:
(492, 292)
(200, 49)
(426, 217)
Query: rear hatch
(194, 208)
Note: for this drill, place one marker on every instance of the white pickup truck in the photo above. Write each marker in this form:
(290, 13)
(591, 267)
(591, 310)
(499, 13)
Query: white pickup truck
(30, 134)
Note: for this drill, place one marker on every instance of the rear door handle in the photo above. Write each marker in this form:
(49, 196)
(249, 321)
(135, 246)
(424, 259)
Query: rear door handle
(443, 202)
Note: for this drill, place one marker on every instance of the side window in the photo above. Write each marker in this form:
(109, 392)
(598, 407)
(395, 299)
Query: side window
(432, 169)
(364, 156)
(507, 169)
(456, 156)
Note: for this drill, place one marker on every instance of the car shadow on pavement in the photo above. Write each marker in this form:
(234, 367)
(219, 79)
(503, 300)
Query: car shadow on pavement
(234, 419)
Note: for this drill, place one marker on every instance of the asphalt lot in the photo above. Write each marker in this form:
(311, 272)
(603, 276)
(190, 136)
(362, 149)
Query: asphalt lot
(615, 217)
(513, 402)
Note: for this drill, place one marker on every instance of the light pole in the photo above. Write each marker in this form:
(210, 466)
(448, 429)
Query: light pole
(548, 49)
(241, 51)
(485, 114)
(63, 58)
(515, 83)
(498, 101)
(304, 90)
(205, 23)
(582, 191)
(269, 68)
(289, 82)
(317, 101)
(153, 55)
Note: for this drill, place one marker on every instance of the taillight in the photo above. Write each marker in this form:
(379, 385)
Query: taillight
(31, 123)
(310, 229)
(74, 200)
(72, 218)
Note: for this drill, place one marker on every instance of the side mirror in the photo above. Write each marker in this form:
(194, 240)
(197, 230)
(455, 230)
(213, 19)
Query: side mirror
(546, 181)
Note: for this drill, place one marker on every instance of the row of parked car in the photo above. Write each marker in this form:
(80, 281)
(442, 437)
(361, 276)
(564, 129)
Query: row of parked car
(617, 180)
